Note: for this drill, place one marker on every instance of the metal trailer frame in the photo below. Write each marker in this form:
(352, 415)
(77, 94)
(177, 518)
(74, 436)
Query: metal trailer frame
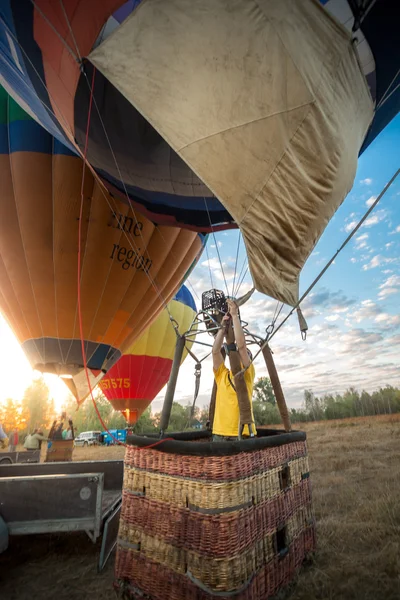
(63, 497)
(19, 456)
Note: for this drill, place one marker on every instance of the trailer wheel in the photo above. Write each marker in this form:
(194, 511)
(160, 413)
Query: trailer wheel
(6, 461)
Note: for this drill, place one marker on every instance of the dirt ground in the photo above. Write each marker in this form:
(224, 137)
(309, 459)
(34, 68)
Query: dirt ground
(355, 469)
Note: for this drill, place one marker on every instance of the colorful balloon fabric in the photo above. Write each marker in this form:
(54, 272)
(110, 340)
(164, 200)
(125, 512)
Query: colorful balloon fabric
(265, 109)
(140, 374)
(129, 266)
(41, 43)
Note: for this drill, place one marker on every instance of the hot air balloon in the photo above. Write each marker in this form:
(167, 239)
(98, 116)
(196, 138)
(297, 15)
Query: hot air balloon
(228, 136)
(129, 267)
(139, 375)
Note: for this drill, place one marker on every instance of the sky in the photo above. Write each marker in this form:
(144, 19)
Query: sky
(353, 313)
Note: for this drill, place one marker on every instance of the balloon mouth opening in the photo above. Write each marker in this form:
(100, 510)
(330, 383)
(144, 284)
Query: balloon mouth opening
(131, 416)
(63, 371)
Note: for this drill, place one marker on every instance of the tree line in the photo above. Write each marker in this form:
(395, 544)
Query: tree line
(37, 410)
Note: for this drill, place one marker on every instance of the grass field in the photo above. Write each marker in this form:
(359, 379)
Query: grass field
(355, 470)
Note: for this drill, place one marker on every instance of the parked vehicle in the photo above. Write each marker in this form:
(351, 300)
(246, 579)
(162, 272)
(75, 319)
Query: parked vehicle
(116, 434)
(88, 438)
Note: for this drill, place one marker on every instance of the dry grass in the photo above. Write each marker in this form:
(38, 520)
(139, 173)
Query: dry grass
(355, 471)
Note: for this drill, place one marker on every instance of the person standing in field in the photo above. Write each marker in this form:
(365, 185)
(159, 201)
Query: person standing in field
(226, 415)
(13, 441)
(3, 438)
(33, 441)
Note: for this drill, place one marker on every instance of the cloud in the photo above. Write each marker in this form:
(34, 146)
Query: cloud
(393, 280)
(370, 200)
(350, 226)
(389, 287)
(388, 245)
(220, 271)
(332, 318)
(368, 310)
(362, 237)
(366, 181)
(353, 260)
(377, 261)
(397, 230)
(361, 241)
(388, 320)
(376, 218)
(387, 292)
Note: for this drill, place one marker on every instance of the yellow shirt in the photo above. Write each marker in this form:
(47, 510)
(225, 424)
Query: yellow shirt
(226, 416)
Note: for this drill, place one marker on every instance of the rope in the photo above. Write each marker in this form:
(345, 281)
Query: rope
(216, 246)
(79, 271)
(71, 31)
(133, 244)
(209, 268)
(193, 290)
(236, 262)
(241, 281)
(328, 264)
(240, 275)
(60, 37)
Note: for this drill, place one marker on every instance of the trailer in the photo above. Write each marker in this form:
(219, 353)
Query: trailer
(62, 497)
(24, 456)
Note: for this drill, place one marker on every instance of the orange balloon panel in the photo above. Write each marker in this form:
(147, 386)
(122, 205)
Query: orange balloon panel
(129, 266)
(139, 375)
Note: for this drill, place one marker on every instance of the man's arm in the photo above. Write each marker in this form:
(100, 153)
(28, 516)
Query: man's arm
(239, 333)
(218, 341)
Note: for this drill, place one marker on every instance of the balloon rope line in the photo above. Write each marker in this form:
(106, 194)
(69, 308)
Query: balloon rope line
(54, 30)
(236, 262)
(328, 264)
(132, 242)
(216, 246)
(79, 270)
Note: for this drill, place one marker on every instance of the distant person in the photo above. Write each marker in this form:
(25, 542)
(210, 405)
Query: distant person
(226, 415)
(34, 440)
(68, 434)
(13, 441)
(3, 438)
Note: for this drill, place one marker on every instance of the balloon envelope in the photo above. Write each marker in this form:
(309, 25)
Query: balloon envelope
(263, 107)
(140, 374)
(129, 266)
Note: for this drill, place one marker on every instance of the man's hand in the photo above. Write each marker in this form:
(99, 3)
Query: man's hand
(226, 319)
(239, 334)
(232, 307)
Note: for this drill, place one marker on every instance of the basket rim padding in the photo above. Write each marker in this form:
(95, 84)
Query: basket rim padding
(184, 442)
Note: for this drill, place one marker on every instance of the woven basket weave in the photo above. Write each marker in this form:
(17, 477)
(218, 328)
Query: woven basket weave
(204, 526)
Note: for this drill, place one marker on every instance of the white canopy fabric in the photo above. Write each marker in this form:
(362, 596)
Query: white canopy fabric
(275, 132)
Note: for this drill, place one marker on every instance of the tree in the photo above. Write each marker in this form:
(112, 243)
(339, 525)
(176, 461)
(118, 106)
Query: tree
(264, 391)
(13, 416)
(37, 404)
(85, 418)
(145, 423)
(265, 413)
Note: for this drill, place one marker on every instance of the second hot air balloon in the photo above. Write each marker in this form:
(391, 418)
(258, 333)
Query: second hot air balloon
(139, 375)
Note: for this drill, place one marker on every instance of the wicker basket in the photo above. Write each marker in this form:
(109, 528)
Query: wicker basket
(202, 520)
(60, 451)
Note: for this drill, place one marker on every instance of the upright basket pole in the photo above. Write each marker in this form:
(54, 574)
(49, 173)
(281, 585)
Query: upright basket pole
(240, 385)
(276, 384)
(211, 410)
(169, 394)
